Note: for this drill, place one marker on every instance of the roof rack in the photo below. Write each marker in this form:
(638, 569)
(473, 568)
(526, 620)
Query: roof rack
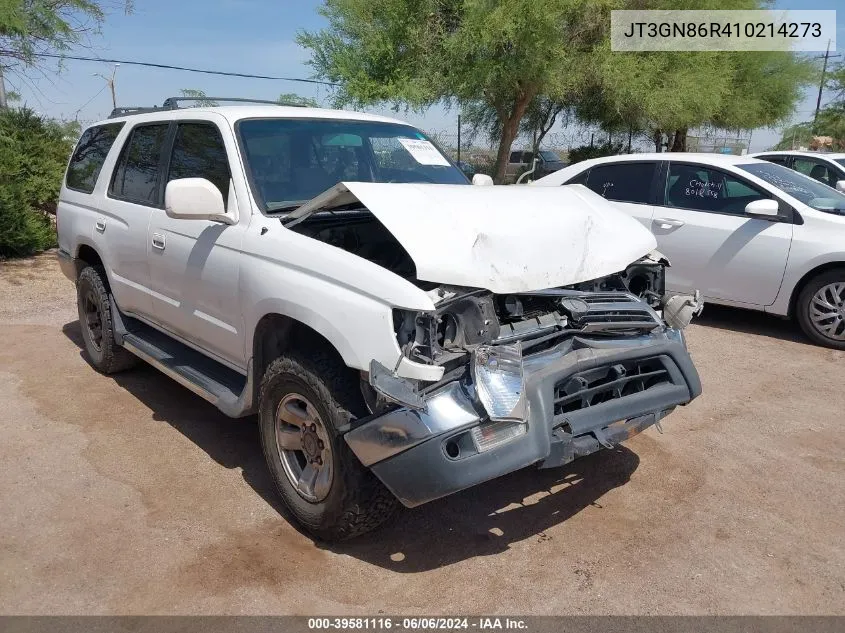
(172, 103)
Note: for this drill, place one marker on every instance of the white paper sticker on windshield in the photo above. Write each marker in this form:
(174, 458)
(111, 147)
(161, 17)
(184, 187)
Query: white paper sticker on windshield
(423, 151)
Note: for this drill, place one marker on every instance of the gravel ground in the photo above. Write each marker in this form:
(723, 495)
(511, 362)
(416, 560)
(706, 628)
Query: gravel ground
(129, 494)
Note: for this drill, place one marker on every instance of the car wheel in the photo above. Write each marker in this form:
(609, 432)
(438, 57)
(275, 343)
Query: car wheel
(302, 404)
(821, 309)
(95, 320)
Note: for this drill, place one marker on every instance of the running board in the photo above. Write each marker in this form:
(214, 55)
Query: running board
(225, 388)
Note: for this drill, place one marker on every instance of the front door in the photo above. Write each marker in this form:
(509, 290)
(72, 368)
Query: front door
(195, 264)
(712, 245)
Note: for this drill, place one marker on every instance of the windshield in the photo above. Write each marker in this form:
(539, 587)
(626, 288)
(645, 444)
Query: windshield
(550, 156)
(291, 161)
(811, 192)
(841, 161)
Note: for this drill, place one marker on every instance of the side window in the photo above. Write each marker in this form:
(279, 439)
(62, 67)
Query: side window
(702, 189)
(625, 182)
(516, 157)
(136, 176)
(777, 160)
(89, 156)
(580, 179)
(199, 152)
(815, 170)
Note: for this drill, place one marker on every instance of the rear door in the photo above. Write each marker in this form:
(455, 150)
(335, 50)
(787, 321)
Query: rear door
(630, 184)
(712, 245)
(131, 195)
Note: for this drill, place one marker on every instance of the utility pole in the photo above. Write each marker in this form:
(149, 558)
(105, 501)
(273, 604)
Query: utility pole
(459, 137)
(2, 90)
(110, 82)
(827, 56)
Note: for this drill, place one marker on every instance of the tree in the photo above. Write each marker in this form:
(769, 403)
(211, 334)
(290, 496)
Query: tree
(30, 27)
(201, 99)
(494, 56)
(33, 155)
(291, 98)
(671, 92)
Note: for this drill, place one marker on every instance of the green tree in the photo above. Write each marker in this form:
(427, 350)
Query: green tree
(490, 56)
(202, 100)
(33, 155)
(30, 27)
(291, 98)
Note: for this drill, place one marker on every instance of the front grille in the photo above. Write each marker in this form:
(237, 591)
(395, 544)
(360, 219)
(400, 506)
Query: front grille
(602, 384)
(608, 311)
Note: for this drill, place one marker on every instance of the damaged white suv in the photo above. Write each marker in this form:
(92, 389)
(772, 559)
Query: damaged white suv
(401, 334)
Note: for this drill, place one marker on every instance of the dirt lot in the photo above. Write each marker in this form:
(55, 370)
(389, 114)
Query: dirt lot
(128, 494)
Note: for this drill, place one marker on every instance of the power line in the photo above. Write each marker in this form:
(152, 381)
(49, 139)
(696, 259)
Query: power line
(183, 68)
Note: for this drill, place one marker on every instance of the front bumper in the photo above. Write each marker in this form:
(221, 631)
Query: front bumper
(582, 394)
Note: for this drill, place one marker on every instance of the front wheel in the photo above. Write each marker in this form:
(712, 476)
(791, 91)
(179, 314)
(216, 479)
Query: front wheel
(821, 309)
(302, 404)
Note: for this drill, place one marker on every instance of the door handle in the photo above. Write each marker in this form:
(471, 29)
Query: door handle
(100, 225)
(158, 241)
(668, 222)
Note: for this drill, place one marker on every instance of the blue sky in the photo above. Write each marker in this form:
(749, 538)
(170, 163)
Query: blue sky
(252, 36)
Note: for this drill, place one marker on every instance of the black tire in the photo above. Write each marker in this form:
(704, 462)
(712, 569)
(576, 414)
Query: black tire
(357, 502)
(803, 308)
(95, 321)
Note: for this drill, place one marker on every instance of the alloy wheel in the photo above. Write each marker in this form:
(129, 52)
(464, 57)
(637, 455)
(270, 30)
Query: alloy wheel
(827, 311)
(304, 447)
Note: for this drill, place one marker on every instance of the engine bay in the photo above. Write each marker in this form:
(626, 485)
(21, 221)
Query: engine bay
(619, 304)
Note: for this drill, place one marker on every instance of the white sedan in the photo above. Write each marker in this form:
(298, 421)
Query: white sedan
(746, 232)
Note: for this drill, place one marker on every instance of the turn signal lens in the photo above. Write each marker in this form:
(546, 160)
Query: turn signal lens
(489, 436)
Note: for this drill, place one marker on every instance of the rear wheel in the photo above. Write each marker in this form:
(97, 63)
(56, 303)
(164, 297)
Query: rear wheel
(96, 322)
(302, 404)
(821, 309)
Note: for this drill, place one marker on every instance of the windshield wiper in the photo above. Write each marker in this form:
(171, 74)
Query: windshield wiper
(283, 207)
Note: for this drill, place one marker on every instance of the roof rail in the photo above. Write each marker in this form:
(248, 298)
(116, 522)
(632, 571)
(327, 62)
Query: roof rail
(172, 103)
(127, 111)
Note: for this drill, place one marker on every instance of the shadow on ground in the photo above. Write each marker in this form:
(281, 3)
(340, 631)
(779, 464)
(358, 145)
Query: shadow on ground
(750, 322)
(481, 521)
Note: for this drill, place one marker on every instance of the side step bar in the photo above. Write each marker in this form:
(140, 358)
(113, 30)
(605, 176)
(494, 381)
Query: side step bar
(225, 388)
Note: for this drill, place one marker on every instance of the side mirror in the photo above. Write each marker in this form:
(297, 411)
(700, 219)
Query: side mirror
(840, 185)
(195, 199)
(763, 209)
(482, 180)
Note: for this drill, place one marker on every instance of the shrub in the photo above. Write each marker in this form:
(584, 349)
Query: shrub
(585, 152)
(33, 154)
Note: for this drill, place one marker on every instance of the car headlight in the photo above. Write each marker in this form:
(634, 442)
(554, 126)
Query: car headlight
(500, 382)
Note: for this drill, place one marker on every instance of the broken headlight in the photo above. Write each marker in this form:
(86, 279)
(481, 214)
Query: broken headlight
(499, 381)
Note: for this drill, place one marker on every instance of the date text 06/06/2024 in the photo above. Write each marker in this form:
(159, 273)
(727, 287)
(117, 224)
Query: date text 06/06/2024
(416, 624)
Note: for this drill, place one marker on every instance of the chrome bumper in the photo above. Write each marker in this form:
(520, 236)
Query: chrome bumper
(421, 455)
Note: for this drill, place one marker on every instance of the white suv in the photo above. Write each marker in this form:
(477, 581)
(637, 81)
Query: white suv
(400, 333)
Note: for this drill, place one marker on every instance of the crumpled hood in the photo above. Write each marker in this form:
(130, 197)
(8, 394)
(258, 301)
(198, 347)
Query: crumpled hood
(506, 239)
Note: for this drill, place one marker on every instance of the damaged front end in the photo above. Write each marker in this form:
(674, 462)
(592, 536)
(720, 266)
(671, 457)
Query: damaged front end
(539, 377)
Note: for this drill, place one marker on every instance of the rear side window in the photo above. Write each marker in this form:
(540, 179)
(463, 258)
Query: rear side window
(777, 160)
(89, 156)
(516, 157)
(136, 177)
(624, 182)
(199, 152)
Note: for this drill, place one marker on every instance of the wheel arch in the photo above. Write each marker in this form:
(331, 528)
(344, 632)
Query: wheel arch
(818, 270)
(276, 334)
(87, 254)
